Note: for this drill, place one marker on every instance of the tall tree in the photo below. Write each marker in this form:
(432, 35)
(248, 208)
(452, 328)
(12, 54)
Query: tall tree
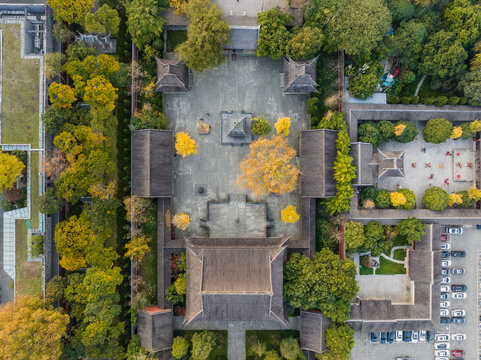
(100, 95)
(268, 168)
(10, 168)
(340, 341)
(144, 23)
(273, 33)
(60, 95)
(354, 235)
(202, 345)
(206, 33)
(305, 43)
(470, 84)
(104, 20)
(408, 42)
(70, 11)
(464, 20)
(27, 328)
(412, 229)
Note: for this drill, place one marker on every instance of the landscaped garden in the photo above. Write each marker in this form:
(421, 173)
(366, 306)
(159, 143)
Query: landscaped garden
(197, 344)
(261, 344)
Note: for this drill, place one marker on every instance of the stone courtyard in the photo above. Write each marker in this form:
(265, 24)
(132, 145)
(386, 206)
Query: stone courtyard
(248, 85)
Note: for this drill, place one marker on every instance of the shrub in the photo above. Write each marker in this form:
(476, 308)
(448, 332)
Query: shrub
(455, 199)
(405, 100)
(313, 105)
(393, 99)
(408, 77)
(180, 347)
(368, 192)
(290, 349)
(260, 126)
(272, 355)
(386, 129)
(369, 133)
(410, 199)
(36, 245)
(368, 204)
(397, 199)
(463, 100)
(475, 126)
(453, 100)
(467, 133)
(289, 214)
(435, 198)
(409, 133)
(412, 229)
(373, 231)
(440, 101)
(354, 235)
(467, 201)
(415, 100)
(202, 345)
(383, 199)
(427, 100)
(364, 85)
(457, 132)
(474, 193)
(437, 130)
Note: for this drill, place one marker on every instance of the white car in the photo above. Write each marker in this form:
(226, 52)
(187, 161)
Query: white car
(444, 304)
(444, 312)
(414, 336)
(446, 246)
(444, 353)
(461, 295)
(446, 263)
(458, 312)
(441, 337)
(441, 358)
(422, 336)
(445, 288)
(441, 346)
(458, 337)
(446, 280)
(399, 336)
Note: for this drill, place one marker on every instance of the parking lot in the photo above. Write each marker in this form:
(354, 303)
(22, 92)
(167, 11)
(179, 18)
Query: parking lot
(470, 242)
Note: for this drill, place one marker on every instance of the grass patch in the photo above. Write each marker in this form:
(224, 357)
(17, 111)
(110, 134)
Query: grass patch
(219, 352)
(397, 241)
(389, 268)
(272, 339)
(174, 38)
(364, 270)
(28, 275)
(399, 254)
(20, 91)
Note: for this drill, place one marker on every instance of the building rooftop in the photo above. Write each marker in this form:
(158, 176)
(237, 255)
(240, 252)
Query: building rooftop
(300, 76)
(172, 76)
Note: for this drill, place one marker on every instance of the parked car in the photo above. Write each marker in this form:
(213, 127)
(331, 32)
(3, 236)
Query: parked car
(441, 353)
(415, 336)
(457, 353)
(444, 237)
(445, 254)
(444, 296)
(458, 312)
(445, 280)
(445, 271)
(445, 288)
(458, 320)
(441, 346)
(458, 337)
(460, 295)
(458, 253)
(406, 336)
(383, 337)
(446, 262)
(441, 358)
(442, 337)
(458, 230)
(459, 288)
(399, 336)
(446, 246)
(422, 336)
(444, 304)
(403, 358)
(430, 336)
(459, 271)
(374, 337)
(444, 312)
(390, 337)
(445, 320)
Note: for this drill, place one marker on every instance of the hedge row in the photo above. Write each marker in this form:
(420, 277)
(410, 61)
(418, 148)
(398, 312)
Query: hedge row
(436, 101)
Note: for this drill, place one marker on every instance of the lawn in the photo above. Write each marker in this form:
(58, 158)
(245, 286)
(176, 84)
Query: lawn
(20, 91)
(397, 241)
(272, 339)
(399, 254)
(219, 352)
(389, 268)
(28, 275)
(174, 38)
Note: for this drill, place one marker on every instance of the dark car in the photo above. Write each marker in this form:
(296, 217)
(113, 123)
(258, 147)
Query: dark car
(458, 320)
(458, 253)
(407, 336)
(459, 288)
(390, 336)
(445, 320)
(374, 337)
(445, 254)
(430, 336)
(445, 271)
(383, 337)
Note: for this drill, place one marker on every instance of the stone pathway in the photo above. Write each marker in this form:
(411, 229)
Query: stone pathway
(357, 257)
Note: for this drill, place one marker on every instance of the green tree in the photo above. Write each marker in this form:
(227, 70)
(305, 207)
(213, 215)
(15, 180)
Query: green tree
(207, 32)
(409, 41)
(55, 289)
(202, 345)
(100, 95)
(144, 23)
(467, 201)
(435, 198)
(470, 84)
(49, 202)
(411, 229)
(70, 11)
(53, 119)
(363, 85)
(53, 64)
(305, 43)
(61, 96)
(272, 355)
(79, 51)
(410, 199)
(369, 133)
(374, 232)
(354, 235)
(400, 10)
(409, 133)
(443, 55)
(437, 131)
(104, 20)
(147, 118)
(463, 19)
(273, 33)
(383, 200)
(10, 168)
(180, 347)
(340, 340)
(386, 129)
(290, 349)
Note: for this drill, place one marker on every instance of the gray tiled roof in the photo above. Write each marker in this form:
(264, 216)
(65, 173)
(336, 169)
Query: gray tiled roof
(172, 76)
(300, 76)
(243, 38)
(313, 325)
(362, 154)
(155, 328)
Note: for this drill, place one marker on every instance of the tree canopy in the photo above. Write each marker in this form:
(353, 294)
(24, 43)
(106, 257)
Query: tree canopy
(10, 168)
(206, 33)
(339, 340)
(202, 345)
(144, 23)
(305, 43)
(273, 33)
(435, 198)
(412, 229)
(60, 95)
(70, 11)
(354, 235)
(464, 20)
(408, 42)
(437, 130)
(104, 20)
(470, 84)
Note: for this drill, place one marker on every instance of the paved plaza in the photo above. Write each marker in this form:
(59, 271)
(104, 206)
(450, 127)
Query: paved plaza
(397, 288)
(249, 84)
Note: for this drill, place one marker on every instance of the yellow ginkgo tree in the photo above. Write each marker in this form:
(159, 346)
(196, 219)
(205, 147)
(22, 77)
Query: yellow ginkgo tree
(181, 221)
(455, 199)
(289, 214)
(184, 144)
(282, 126)
(397, 199)
(10, 168)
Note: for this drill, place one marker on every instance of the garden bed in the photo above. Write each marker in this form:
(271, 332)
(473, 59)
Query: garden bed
(272, 339)
(174, 38)
(399, 254)
(220, 350)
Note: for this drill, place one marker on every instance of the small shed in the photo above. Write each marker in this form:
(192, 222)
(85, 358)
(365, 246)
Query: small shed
(152, 158)
(154, 328)
(300, 76)
(318, 153)
(172, 76)
(243, 38)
